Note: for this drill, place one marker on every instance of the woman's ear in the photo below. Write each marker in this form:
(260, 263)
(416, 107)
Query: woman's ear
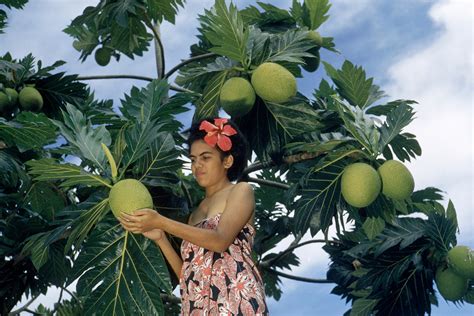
(228, 161)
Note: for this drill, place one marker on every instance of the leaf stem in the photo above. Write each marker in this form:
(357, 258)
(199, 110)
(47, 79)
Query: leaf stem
(297, 278)
(187, 61)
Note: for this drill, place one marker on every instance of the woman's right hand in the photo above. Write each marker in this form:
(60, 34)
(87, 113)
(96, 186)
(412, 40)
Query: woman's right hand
(155, 234)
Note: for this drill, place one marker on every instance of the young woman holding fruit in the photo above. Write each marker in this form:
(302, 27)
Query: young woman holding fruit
(215, 267)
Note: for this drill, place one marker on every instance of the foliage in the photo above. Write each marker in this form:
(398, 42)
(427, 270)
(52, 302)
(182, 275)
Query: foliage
(55, 223)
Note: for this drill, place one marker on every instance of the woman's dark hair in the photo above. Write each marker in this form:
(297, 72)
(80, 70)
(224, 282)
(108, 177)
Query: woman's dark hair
(239, 150)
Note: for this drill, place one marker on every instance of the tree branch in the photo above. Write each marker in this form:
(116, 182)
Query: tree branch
(25, 307)
(115, 77)
(159, 51)
(297, 278)
(269, 262)
(274, 184)
(187, 61)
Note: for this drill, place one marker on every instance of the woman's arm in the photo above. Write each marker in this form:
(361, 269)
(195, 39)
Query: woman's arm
(170, 254)
(239, 208)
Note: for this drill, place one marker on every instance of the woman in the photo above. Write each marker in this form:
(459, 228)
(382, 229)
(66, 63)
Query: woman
(216, 271)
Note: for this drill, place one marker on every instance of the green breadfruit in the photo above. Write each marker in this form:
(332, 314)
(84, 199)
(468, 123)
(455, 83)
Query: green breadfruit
(237, 96)
(274, 83)
(30, 99)
(102, 56)
(360, 184)
(312, 64)
(77, 45)
(450, 285)
(8, 100)
(461, 260)
(316, 37)
(129, 195)
(397, 181)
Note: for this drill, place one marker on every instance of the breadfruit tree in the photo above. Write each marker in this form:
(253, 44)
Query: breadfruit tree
(332, 160)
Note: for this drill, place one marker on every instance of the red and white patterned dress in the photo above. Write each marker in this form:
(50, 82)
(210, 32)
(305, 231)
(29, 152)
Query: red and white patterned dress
(226, 283)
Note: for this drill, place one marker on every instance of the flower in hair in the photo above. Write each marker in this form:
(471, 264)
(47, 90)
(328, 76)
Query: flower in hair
(218, 133)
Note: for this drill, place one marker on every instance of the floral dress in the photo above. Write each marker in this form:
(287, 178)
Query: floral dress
(226, 283)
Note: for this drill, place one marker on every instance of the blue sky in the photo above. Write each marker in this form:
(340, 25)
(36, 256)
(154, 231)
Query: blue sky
(414, 49)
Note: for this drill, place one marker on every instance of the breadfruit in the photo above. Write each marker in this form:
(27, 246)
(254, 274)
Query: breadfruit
(8, 100)
(102, 56)
(450, 285)
(397, 181)
(316, 37)
(129, 195)
(312, 63)
(30, 99)
(461, 260)
(77, 45)
(360, 184)
(274, 83)
(237, 96)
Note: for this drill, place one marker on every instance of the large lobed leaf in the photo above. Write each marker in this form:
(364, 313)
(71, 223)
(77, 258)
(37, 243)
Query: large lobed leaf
(320, 192)
(224, 28)
(120, 273)
(84, 139)
(49, 170)
(28, 131)
(352, 84)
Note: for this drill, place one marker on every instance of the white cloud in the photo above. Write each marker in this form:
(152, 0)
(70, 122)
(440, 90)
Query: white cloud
(439, 76)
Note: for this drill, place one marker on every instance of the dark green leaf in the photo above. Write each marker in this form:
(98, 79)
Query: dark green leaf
(373, 226)
(320, 192)
(363, 307)
(45, 199)
(28, 131)
(352, 84)
(224, 28)
(207, 106)
(83, 138)
(397, 119)
(49, 169)
(317, 12)
(295, 117)
(121, 273)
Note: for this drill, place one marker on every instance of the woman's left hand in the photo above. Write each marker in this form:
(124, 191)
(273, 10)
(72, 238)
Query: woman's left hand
(140, 221)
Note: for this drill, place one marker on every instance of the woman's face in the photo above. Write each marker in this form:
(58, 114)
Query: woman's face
(206, 163)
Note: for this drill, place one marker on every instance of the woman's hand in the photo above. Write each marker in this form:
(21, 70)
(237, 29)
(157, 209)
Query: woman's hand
(141, 221)
(155, 234)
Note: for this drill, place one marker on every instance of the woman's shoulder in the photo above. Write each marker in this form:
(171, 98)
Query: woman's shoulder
(242, 186)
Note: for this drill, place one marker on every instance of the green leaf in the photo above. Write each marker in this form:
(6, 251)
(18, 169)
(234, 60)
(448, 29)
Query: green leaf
(59, 89)
(138, 139)
(161, 158)
(290, 46)
(373, 226)
(45, 199)
(83, 138)
(403, 146)
(359, 125)
(28, 131)
(352, 84)
(224, 28)
(121, 273)
(164, 9)
(397, 119)
(82, 226)
(320, 192)
(144, 105)
(295, 117)
(38, 249)
(12, 173)
(317, 12)
(402, 232)
(207, 106)
(70, 175)
(451, 214)
(363, 307)
(442, 231)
